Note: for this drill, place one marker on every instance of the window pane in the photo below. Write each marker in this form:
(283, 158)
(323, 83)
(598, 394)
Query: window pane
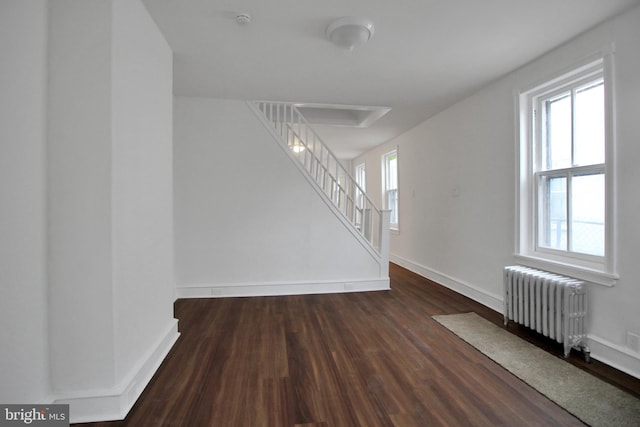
(589, 125)
(361, 180)
(390, 186)
(392, 199)
(557, 147)
(361, 177)
(552, 226)
(587, 214)
(393, 171)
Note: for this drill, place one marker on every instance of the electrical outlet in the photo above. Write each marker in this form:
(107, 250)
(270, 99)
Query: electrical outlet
(633, 341)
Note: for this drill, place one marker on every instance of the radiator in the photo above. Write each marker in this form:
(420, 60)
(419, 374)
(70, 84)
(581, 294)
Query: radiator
(553, 305)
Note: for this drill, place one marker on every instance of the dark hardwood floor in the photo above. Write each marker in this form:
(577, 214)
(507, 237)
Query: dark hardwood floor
(357, 359)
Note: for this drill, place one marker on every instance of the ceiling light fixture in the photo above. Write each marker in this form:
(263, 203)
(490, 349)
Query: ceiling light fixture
(350, 31)
(243, 19)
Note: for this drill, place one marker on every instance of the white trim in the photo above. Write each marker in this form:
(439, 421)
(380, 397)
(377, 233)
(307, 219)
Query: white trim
(359, 116)
(600, 270)
(255, 289)
(115, 403)
(615, 355)
(467, 289)
(590, 275)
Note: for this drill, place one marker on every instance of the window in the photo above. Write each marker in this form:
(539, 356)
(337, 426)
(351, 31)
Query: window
(361, 180)
(390, 186)
(565, 187)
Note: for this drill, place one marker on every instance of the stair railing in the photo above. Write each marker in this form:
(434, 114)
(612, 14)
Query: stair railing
(327, 171)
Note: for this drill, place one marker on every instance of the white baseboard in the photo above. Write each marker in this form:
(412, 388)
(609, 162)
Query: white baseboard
(467, 289)
(114, 404)
(615, 355)
(602, 350)
(272, 289)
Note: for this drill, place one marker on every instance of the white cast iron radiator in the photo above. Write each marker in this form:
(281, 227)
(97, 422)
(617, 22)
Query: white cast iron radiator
(553, 305)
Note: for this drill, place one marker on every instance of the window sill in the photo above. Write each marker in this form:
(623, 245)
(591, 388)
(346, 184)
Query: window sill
(587, 274)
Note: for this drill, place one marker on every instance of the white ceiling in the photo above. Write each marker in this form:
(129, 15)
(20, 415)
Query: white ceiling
(425, 54)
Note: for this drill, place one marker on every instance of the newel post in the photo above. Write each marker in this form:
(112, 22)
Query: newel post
(385, 214)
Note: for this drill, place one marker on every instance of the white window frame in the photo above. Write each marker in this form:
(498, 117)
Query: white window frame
(360, 174)
(594, 269)
(394, 226)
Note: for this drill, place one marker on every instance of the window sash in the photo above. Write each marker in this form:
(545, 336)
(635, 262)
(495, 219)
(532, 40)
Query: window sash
(392, 204)
(544, 218)
(361, 180)
(540, 118)
(593, 268)
(390, 190)
(544, 172)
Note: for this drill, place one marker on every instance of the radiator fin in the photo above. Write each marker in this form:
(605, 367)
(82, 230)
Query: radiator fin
(548, 303)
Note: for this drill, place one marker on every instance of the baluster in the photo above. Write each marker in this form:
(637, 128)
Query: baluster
(327, 179)
(276, 120)
(291, 121)
(311, 162)
(353, 208)
(284, 116)
(306, 137)
(333, 178)
(321, 160)
(306, 143)
(307, 165)
(270, 112)
(287, 116)
(330, 187)
(300, 137)
(314, 166)
(323, 178)
(284, 122)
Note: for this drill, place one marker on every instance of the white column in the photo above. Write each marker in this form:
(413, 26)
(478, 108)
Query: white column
(384, 242)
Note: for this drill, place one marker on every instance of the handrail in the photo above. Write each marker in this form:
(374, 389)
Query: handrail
(325, 169)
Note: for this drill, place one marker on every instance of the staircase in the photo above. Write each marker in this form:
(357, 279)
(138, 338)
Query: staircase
(330, 178)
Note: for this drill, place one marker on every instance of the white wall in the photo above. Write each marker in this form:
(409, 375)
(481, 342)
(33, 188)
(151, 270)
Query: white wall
(23, 284)
(457, 189)
(79, 196)
(110, 222)
(244, 214)
(142, 179)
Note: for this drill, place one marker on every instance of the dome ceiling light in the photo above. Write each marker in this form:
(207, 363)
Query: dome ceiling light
(350, 32)
(243, 19)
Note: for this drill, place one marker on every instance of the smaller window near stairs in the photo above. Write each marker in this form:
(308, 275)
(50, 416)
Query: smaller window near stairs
(361, 190)
(390, 186)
